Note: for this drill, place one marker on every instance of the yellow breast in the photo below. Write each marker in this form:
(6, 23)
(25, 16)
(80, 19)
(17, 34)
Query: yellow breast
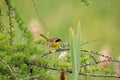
(55, 44)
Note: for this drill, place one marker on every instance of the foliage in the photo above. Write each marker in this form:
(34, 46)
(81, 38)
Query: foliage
(22, 58)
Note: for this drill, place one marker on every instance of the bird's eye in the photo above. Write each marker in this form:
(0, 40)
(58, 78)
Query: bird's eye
(57, 40)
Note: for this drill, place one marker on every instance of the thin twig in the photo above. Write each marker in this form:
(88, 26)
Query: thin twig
(96, 53)
(30, 77)
(87, 42)
(53, 51)
(36, 10)
(93, 58)
(100, 75)
(92, 63)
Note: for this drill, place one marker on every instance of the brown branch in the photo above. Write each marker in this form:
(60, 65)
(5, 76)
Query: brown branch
(84, 74)
(100, 75)
(86, 51)
(92, 63)
(96, 53)
(53, 51)
(93, 58)
(109, 58)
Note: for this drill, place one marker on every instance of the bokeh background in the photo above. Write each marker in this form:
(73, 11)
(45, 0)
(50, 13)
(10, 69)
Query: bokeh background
(99, 20)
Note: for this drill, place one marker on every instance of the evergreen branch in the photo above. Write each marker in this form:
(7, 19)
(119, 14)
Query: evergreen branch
(26, 32)
(10, 69)
(109, 58)
(11, 15)
(57, 69)
(96, 53)
(87, 64)
(93, 58)
(45, 66)
(93, 63)
(53, 51)
(82, 65)
(86, 51)
(30, 77)
(84, 74)
(100, 75)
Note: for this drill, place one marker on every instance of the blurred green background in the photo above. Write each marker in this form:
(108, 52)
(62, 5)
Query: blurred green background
(99, 20)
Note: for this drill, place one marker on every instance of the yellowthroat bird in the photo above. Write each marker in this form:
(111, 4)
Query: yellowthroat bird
(54, 42)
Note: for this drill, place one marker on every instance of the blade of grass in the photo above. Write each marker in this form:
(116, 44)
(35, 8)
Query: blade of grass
(75, 52)
(78, 48)
(72, 38)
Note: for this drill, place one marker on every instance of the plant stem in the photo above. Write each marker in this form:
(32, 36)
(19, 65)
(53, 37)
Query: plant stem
(10, 14)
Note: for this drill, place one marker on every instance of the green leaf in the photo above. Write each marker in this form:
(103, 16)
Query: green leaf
(75, 52)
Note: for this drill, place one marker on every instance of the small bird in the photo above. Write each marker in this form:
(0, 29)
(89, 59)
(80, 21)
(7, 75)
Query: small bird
(54, 42)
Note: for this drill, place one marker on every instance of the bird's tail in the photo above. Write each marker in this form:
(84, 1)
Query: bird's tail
(44, 36)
